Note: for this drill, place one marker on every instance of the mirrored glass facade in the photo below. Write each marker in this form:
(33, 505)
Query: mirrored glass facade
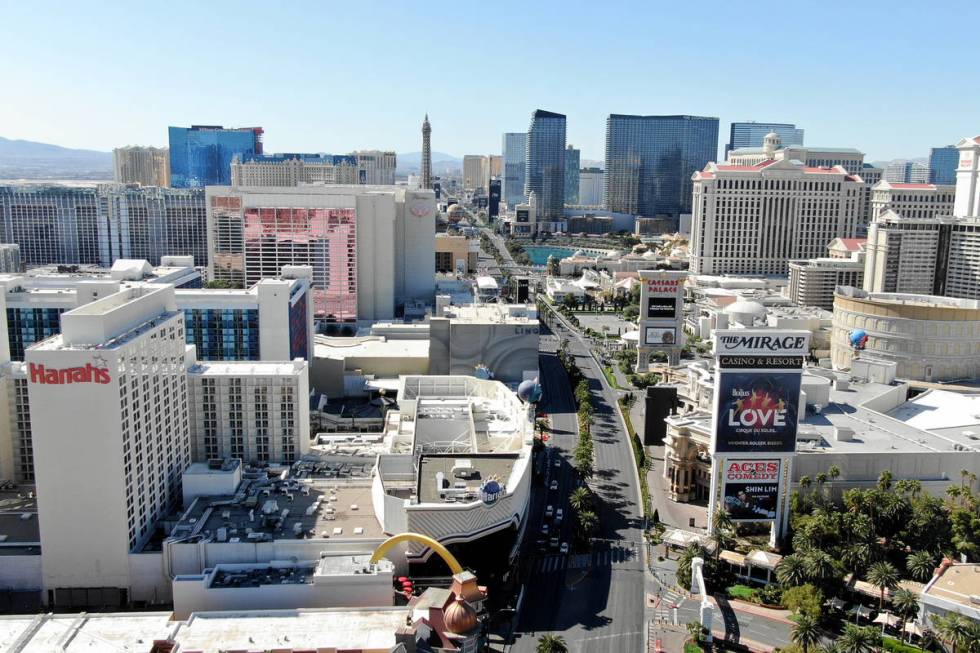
(545, 163)
(201, 155)
(751, 134)
(650, 160)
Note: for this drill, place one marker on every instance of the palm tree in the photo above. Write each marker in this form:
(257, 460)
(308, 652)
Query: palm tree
(580, 499)
(833, 472)
(587, 522)
(721, 529)
(685, 562)
(883, 575)
(952, 628)
(820, 566)
(791, 571)
(806, 632)
(856, 639)
(551, 644)
(906, 605)
(920, 565)
(885, 480)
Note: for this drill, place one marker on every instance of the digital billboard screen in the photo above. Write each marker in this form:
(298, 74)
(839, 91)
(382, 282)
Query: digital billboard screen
(757, 412)
(660, 336)
(751, 489)
(662, 307)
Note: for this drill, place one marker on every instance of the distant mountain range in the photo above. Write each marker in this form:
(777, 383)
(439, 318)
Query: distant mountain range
(442, 163)
(21, 159)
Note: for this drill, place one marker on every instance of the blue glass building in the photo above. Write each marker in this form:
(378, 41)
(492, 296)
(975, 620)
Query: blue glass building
(650, 161)
(750, 134)
(26, 326)
(514, 151)
(544, 171)
(201, 155)
(942, 164)
(573, 160)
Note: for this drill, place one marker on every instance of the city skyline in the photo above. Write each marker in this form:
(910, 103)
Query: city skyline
(47, 80)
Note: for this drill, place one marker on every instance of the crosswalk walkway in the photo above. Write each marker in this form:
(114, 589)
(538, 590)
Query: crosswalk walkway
(606, 557)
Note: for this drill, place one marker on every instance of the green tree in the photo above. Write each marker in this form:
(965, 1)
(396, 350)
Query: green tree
(822, 568)
(551, 644)
(685, 562)
(920, 565)
(884, 576)
(722, 527)
(697, 632)
(906, 605)
(553, 267)
(856, 639)
(953, 629)
(791, 571)
(804, 600)
(805, 632)
(219, 284)
(580, 499)
(588, 521)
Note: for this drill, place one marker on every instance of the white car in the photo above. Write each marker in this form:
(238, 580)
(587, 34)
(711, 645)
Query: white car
(557, 462)
(549, 511)
(564, 547)
(553, 486)
(558, 515)
(544, 529)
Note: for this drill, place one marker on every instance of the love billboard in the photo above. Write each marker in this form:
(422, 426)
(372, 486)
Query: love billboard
(757, 411)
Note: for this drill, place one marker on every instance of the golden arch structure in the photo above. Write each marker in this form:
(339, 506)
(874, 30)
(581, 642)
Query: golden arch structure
(394, 540)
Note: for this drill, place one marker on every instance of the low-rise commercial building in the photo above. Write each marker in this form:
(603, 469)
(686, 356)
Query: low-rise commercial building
(928, 338)
(456, 254)
(862, 427)
(503, 338)
(954, 588)
(812, 282)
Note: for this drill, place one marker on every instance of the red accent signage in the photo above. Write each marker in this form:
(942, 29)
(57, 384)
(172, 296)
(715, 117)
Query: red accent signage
(51, 376)
(752, 470)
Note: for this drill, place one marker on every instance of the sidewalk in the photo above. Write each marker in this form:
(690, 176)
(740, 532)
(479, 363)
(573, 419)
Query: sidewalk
(758, 610)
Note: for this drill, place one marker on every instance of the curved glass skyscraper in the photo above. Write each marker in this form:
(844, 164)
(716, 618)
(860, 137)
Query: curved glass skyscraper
(545, 163)
(650, 160)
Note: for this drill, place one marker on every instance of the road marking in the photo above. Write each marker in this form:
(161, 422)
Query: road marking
(613, 636)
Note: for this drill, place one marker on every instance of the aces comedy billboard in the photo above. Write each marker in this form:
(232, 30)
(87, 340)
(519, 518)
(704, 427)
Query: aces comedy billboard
(751, 489)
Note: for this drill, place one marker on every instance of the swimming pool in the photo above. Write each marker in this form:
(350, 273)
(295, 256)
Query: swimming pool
(539, 254)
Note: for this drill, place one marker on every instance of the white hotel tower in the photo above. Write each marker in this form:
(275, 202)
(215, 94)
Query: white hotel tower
(754, 219)
(110, 434)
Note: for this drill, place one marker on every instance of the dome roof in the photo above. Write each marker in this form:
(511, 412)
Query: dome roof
(492, 486)
(460, 617)
(771, 135)
(745, 306)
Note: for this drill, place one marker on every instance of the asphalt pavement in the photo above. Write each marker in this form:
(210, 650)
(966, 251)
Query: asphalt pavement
(594, 599)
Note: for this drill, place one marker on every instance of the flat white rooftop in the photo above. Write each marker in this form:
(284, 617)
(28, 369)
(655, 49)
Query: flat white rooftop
(211, 632)
(247, 368)
(370, 347)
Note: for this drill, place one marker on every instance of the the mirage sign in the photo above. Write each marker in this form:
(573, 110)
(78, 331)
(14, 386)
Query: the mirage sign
(757, 390)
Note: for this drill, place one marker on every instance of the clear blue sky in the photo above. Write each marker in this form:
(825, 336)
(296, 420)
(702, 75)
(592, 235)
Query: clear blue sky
(889, 79)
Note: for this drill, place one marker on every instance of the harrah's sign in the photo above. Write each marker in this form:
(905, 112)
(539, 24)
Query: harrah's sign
(763, 342)
(53, 376)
